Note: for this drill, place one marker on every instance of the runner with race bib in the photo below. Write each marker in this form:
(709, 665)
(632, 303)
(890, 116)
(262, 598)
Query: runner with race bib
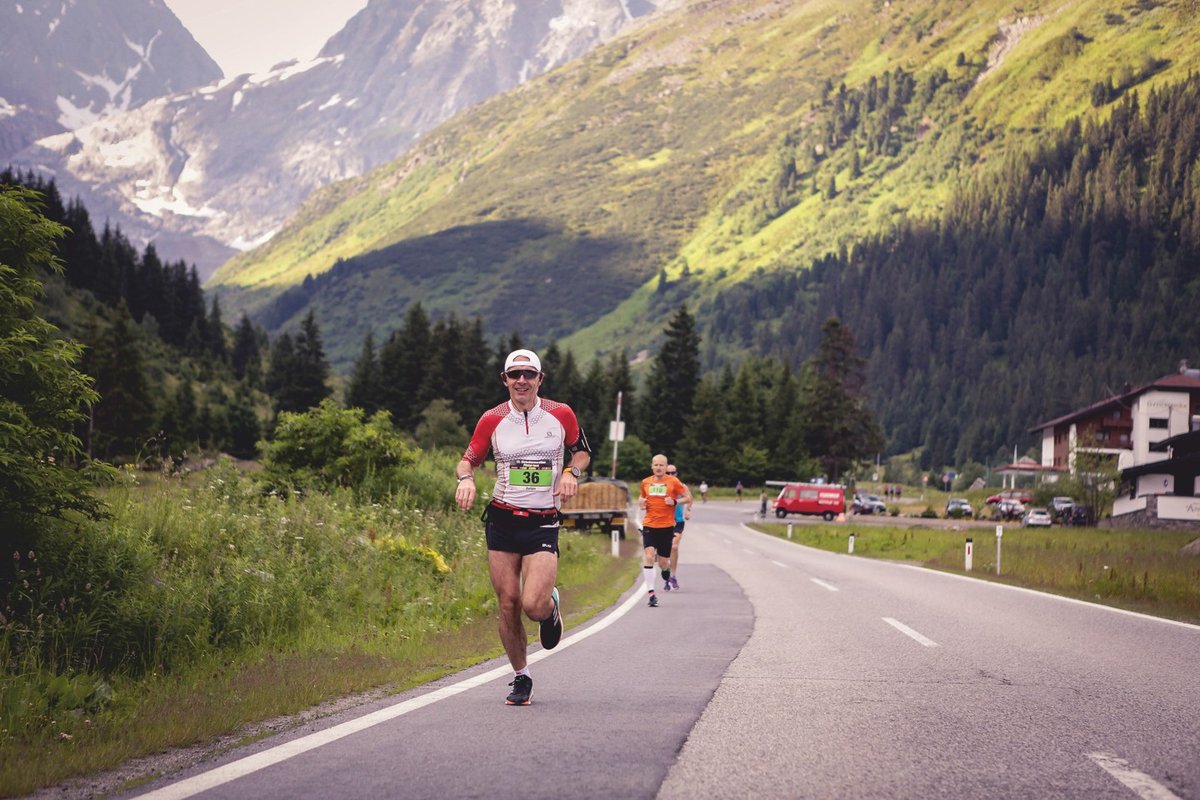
(527, 436)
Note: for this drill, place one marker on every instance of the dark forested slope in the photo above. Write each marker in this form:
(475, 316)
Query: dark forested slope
(1051, 280)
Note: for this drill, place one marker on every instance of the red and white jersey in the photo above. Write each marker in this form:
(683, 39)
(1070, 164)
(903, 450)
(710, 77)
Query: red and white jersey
(528, 448)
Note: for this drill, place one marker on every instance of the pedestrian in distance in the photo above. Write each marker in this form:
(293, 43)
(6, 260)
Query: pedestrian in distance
(739, 491)
(703, 491)
(527, 436)
(659, 495)
(683, 512)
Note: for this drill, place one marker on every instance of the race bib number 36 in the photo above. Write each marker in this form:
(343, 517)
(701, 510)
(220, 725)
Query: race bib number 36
(531, 475)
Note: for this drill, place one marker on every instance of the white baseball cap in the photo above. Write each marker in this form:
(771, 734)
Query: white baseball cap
(522, 358)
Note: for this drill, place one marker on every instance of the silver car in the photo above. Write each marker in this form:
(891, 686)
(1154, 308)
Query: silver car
(1037, 518)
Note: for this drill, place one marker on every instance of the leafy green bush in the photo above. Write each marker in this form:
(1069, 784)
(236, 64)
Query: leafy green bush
(44, 393)
(328, 447)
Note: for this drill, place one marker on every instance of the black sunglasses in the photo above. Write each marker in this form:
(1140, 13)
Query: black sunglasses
(671, 472)
(527, 374)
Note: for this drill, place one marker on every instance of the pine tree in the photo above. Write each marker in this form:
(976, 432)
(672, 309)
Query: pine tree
(672, 384)
(215, 333)
(402, 361)
(280, 373)
(244, 428)
(122, 420)
(704, 451)
(841, 430)
(310, 371)
(363, 391)
(180, 419)
(246, 359)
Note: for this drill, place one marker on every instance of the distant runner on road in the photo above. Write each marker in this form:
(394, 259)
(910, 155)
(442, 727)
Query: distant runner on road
(683, 512)
(659, 496)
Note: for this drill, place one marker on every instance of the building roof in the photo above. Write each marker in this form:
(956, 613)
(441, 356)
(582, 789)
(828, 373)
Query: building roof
(1183, 444)
(1187, 380)
(1025, 466)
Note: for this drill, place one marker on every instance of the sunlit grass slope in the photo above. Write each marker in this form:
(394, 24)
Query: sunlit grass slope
(660, 155)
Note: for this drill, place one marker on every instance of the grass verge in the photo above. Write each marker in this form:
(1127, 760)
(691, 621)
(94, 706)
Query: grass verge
(1146, 571)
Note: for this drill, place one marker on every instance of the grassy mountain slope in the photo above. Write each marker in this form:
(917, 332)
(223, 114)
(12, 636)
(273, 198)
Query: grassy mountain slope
(704, 145)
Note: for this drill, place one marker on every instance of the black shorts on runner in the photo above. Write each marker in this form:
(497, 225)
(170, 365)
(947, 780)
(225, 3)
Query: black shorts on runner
(524, 535)
(658, 538)
(679, 526)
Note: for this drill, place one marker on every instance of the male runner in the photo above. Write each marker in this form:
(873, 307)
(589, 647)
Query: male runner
(683, 512)
(659, 495)
(527, 436)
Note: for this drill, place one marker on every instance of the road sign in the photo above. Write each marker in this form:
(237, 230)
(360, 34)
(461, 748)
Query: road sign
(616, 431)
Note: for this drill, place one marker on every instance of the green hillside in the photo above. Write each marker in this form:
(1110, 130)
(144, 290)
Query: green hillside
(703, 151)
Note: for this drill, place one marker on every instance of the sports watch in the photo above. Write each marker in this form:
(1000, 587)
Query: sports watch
(574, 470)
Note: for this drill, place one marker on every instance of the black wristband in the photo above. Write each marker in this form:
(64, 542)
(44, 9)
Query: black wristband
(462, 478)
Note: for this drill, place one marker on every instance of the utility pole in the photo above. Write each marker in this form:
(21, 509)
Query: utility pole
(616, 432)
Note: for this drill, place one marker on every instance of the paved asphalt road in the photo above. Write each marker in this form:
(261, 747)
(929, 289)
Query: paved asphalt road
(779, 672)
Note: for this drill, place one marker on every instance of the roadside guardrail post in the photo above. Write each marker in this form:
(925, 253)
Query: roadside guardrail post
(851, 541)
(999, 536)
(789, 530)
(616, 545)
(970, 552)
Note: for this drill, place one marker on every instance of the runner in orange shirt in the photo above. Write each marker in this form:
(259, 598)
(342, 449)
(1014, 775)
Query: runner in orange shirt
(660, 493)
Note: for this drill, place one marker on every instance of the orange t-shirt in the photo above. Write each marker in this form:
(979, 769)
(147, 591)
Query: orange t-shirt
(658, 513)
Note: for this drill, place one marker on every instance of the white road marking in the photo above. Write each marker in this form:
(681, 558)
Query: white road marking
(779, 563)
(907, 631)
(261, 760)
(824, 585)
(748, 550)
(1140, 783)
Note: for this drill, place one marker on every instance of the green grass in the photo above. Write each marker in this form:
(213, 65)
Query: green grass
(1142, 571)
(201, 608)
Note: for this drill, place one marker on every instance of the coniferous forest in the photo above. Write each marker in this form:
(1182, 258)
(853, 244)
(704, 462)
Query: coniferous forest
(1052, 279)
(1054, 276)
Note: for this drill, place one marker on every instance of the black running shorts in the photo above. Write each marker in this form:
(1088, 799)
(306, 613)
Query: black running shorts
(679, 526)
(525, 535)
(659, 538)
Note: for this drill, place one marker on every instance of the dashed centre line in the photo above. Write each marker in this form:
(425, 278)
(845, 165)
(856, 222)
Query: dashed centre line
(907, 631)
(779, 563)
(824, 585)
(1140, 783)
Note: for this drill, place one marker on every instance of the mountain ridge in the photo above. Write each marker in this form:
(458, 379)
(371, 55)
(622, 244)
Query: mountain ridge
(636, 115)
(69, 64)
(219, 169)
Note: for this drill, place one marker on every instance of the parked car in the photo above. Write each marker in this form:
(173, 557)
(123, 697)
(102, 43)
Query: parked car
(959, 508)
(1020, 495)
(1037, 518)
(1060, 507)
(1082, 516)
(868, 504)
(1009, 509)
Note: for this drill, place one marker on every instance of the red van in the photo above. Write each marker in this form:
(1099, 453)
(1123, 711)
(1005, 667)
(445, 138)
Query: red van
(824, 499)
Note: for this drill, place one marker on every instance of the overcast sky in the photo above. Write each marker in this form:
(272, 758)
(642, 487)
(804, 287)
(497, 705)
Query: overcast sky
(254, 35)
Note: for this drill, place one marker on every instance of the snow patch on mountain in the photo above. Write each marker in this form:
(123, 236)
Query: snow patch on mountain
(229, 160)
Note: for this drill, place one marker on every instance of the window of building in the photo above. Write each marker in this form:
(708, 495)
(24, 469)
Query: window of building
(1101, 436)
(1158, 422)
(1124, 438)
